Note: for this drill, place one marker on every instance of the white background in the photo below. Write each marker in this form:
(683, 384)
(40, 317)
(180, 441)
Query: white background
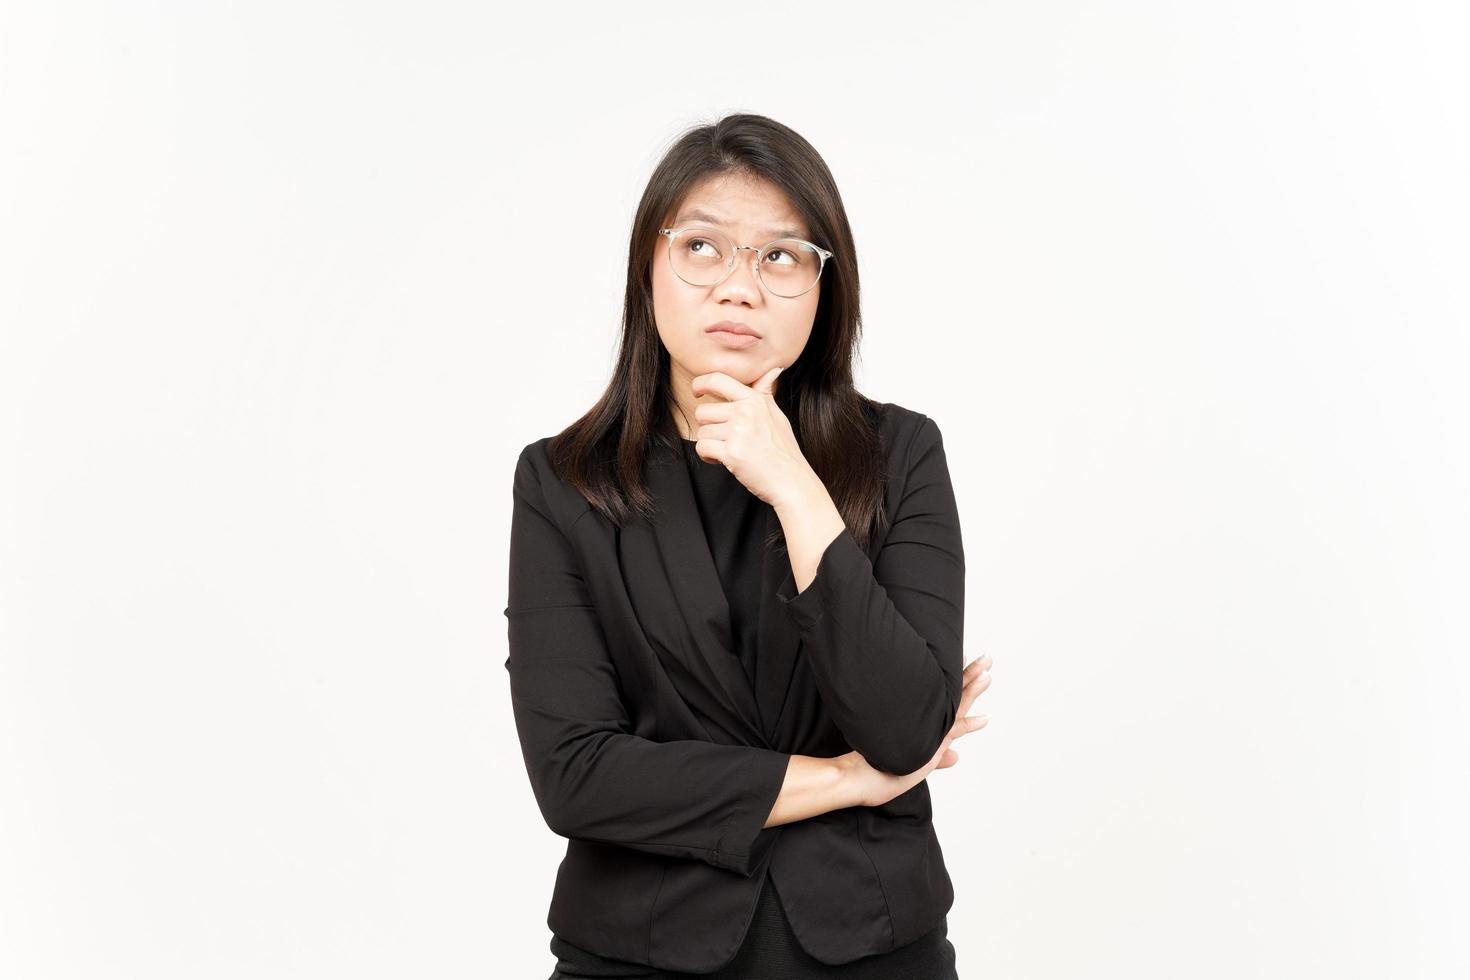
(282, 298)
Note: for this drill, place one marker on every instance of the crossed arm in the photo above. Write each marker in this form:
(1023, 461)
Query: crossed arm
(885, 637)
(884, 642)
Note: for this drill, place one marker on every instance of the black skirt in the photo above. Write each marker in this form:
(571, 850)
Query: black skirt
(771, 951)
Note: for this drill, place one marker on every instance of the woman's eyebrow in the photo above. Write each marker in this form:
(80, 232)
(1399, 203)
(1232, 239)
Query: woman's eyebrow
(695, 215)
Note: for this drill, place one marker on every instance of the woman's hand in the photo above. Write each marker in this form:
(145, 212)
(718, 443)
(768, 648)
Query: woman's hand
(750, 434)
(874, 787)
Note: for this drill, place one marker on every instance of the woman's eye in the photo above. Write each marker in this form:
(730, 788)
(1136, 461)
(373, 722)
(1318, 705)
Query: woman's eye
(781, 252)
(706, 249)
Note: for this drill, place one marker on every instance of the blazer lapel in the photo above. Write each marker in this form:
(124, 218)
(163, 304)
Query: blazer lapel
(776, 636)
(682, 606)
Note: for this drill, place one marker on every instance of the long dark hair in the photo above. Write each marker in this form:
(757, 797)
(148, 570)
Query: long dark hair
(602, 454)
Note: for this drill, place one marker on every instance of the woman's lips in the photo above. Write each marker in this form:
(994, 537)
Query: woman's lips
(732, 340)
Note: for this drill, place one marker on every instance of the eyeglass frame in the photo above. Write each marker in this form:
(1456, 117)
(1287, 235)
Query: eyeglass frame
(672, 233)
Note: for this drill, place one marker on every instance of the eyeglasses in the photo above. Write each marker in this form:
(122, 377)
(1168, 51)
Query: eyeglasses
(787, 267)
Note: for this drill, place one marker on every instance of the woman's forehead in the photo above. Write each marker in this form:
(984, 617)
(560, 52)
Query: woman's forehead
(705, 216)
(735, 201)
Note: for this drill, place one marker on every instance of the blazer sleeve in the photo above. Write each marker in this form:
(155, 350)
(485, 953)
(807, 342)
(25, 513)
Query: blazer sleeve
(885, 637)
(592, 778)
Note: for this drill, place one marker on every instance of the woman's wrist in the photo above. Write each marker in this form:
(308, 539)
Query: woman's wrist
(815, 785)
(855, 778)
(810, 522)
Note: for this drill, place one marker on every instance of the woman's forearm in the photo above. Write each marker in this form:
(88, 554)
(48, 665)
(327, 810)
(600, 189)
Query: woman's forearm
(813, 786)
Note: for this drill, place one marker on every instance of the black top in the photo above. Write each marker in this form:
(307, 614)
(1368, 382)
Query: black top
(733, 520)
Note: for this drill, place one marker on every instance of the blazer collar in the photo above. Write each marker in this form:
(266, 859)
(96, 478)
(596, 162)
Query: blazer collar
(697, 632)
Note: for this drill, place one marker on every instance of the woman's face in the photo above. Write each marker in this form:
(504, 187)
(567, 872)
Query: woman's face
(751, 211)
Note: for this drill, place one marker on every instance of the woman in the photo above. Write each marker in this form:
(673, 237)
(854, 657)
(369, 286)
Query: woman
(736, 604)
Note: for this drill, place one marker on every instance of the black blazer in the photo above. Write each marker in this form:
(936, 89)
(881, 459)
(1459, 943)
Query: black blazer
(648, 749)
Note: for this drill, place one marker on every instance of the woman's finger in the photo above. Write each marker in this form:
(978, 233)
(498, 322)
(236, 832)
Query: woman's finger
(982, 662)
(967, 724)
(973, 689)
(971, 723)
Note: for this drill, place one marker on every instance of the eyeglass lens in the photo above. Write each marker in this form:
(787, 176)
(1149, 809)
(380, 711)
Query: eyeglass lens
(701, 257)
